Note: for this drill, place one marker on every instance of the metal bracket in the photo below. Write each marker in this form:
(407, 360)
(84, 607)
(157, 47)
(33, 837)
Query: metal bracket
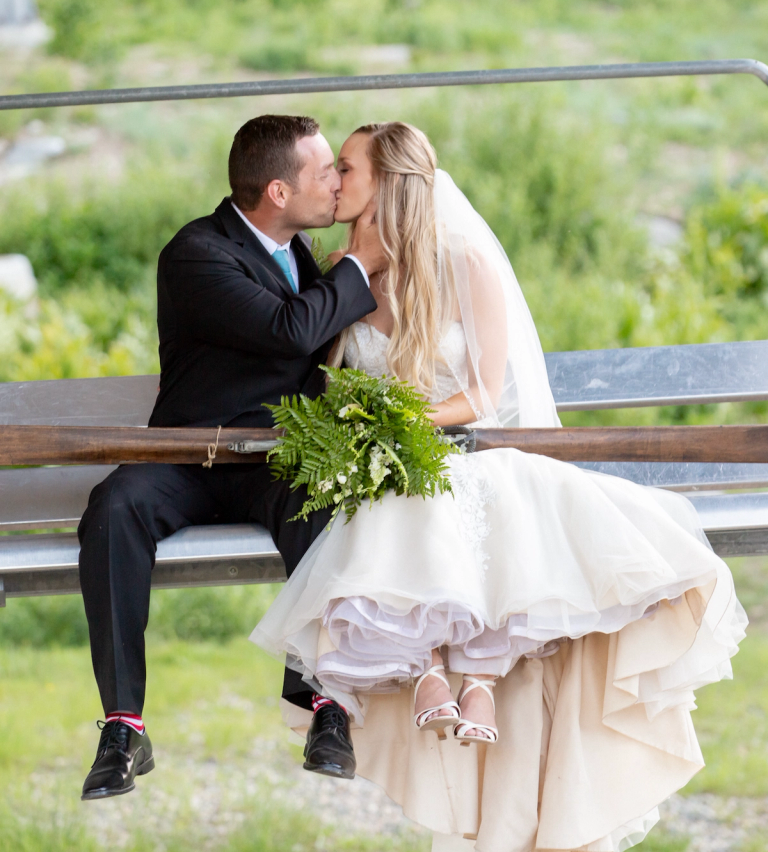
(2, 593)
(252, 446)
(462, 436)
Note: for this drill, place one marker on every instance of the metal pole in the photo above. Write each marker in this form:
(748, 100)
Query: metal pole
(386, 81)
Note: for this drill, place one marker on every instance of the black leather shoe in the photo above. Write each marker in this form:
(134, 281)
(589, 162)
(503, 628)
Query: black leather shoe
(329, 747)
(123, 754)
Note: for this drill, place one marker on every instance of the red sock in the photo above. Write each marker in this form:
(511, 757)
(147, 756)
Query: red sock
(319, 701)
(129, 718)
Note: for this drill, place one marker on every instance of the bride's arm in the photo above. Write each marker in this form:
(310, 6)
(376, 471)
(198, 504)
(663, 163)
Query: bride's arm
(454, 411)
(486, 362)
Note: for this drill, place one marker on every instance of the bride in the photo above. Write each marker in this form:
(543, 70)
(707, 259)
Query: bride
(556, 620)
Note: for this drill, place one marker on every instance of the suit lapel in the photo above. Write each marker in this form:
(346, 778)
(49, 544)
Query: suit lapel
(240, 233)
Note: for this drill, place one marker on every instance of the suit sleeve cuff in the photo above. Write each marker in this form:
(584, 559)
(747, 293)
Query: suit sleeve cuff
(361, 268)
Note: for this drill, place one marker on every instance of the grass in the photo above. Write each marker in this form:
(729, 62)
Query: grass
(661, 841)
(732, 719)
(210, 707)
(184, 678)
(211, 704)
(274, 830)
(268, 830)
(732, 724)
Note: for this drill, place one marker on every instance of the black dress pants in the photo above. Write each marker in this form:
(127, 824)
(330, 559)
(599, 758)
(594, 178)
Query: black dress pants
(138, 505)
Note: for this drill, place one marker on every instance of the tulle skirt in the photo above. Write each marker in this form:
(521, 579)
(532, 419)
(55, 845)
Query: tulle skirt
(598, 602)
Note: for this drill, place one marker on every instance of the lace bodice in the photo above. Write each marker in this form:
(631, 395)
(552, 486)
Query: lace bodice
(366, 350)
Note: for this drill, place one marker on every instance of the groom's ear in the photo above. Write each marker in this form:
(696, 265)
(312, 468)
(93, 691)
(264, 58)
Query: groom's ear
(278, 192)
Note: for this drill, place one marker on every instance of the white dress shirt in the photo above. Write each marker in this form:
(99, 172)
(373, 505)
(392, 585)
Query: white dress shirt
(271, 246)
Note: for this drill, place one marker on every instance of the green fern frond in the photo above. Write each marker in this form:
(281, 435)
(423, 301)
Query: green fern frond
(364, 436)
(321, 258)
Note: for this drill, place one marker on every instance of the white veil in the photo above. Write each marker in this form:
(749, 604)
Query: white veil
(506, 380)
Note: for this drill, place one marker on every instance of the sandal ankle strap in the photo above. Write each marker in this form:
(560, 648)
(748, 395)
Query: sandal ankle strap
(422, 717)
(434, 671)
(475, 683)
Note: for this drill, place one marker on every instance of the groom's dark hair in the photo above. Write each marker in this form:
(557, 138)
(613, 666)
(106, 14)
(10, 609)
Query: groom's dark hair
(265, 150)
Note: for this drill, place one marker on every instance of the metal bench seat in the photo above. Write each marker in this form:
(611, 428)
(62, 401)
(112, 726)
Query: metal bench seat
(735, 524)
(55, 497)
(45, 498)
(244, 553)
(691, 374)
(581, 381)
(46, 564)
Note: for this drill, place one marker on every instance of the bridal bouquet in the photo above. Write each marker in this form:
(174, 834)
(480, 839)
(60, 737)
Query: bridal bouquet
(363, 437)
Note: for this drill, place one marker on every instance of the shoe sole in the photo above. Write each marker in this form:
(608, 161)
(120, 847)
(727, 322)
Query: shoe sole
(145, 767)
(331, 769)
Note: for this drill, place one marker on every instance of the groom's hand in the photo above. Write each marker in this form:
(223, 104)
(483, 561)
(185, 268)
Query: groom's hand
(366, 245)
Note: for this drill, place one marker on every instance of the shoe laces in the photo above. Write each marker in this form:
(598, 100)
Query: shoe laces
(334, 715)
(113, 735)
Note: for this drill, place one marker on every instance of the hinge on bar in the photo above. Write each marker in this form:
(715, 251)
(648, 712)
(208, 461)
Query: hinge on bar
(2, 593)
(462, 436)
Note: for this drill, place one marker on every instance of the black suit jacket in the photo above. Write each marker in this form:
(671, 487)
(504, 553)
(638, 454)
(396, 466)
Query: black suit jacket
(233, 334)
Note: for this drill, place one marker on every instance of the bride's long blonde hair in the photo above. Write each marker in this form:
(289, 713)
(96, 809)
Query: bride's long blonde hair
(404, 164)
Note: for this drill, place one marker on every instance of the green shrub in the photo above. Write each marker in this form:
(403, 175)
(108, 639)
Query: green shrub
(280, 55)
(209, 614)
(193, 615)
(77, 29)
(543, 180)
(52, 340)
(43, 622)
(727, 242)
(98, 33)
(104, 232)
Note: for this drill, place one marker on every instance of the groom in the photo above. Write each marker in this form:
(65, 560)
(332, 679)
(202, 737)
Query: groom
(245, 316)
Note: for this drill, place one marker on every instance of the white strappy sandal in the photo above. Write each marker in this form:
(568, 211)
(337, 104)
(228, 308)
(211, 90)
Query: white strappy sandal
(436, 723)
(491, 735)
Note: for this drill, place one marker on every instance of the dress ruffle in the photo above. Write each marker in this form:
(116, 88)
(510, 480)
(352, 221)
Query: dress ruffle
(378, 650)
(598, 601)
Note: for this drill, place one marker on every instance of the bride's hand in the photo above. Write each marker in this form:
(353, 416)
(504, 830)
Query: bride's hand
(336, 256)
(366, 244)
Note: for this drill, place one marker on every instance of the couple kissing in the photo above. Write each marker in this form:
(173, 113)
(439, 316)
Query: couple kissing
(513, 661)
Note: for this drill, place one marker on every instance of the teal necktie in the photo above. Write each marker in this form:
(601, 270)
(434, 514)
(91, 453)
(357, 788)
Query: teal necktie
(281, 258)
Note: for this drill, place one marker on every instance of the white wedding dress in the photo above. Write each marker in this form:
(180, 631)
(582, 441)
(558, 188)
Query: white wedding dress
(598, 601)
